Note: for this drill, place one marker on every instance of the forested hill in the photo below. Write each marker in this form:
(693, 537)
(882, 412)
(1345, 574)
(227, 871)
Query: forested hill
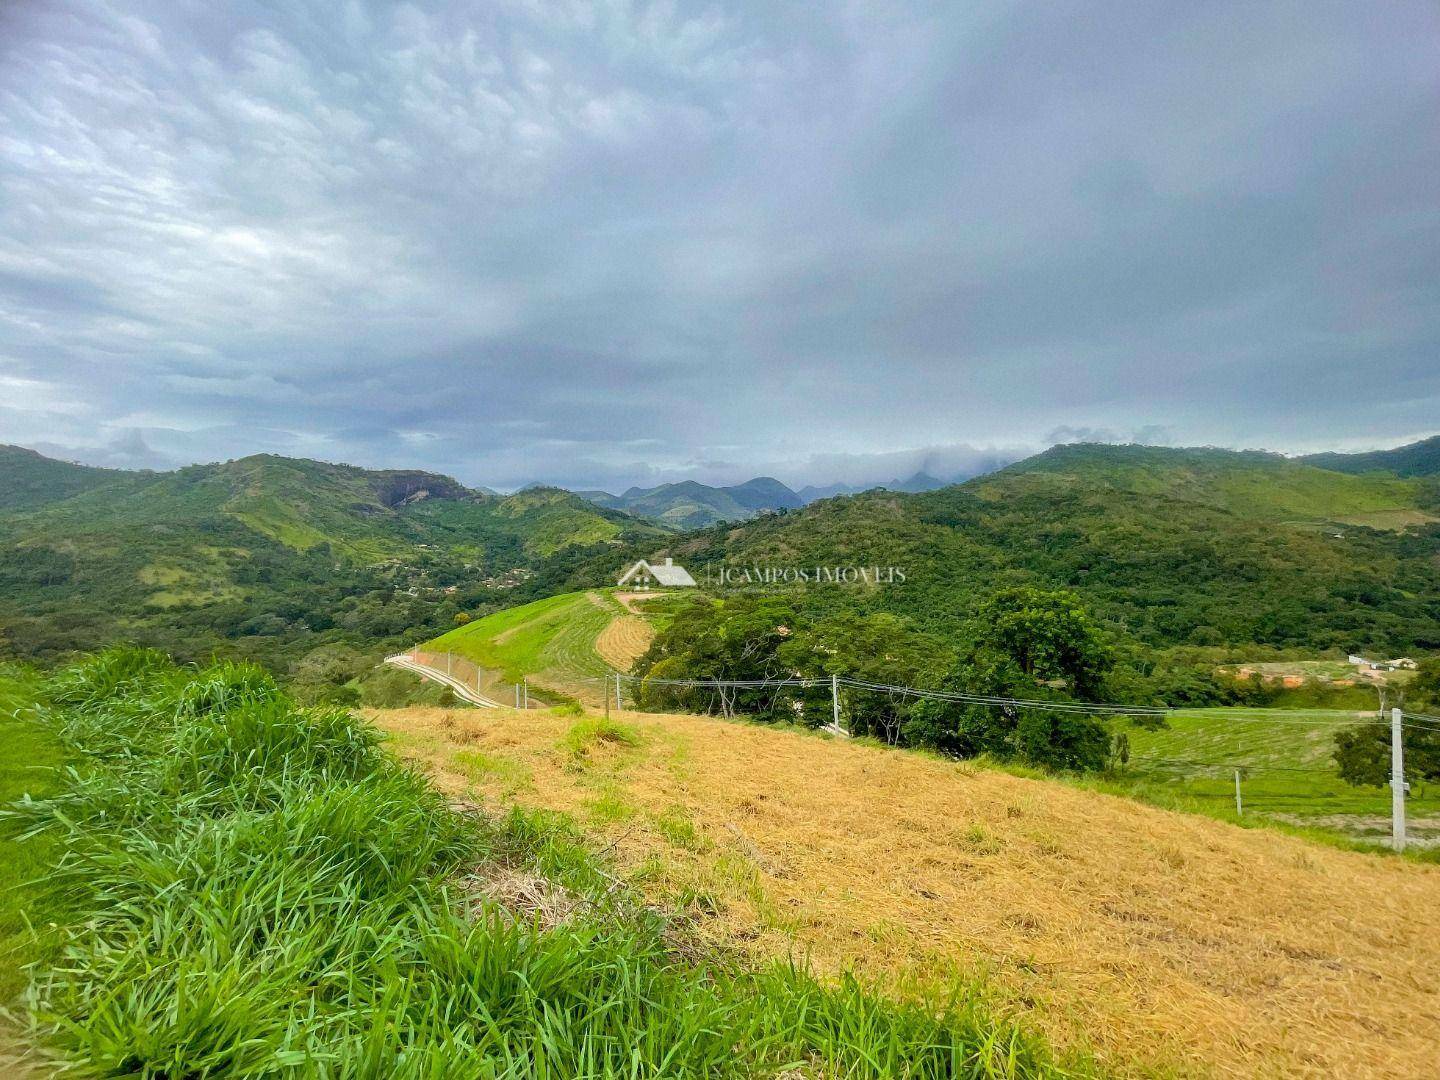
(29, 480)
(1417, 459)
(261, 555)
(1169, 546)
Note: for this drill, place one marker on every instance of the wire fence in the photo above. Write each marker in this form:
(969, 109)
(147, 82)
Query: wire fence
(471, 682)
(1249, 786)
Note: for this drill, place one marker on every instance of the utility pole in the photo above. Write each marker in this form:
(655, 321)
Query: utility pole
(525, 682)
(1397, 782)
(1239, 807)
(619, 705)
(835, 699)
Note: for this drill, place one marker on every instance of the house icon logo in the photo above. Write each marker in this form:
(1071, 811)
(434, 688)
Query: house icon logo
(665, 575)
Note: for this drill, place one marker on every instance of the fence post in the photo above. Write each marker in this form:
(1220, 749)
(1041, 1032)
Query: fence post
(1239, 807)
(525, 682)
(619, 705)
(517, 695)
(1397, 782)
(449, 663)
(835, 699)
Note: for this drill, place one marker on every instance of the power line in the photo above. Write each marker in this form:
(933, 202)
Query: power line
(1019, 703)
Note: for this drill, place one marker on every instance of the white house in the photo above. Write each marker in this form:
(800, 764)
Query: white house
(665, 575)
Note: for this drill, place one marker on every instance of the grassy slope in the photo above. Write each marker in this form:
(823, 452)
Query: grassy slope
(28, 753)
(268, 894)
(1285, 753)
(1148, 935)
(1287, 772)
(554, 637)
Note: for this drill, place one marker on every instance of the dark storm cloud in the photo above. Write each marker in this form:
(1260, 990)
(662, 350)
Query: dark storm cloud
(605, 243)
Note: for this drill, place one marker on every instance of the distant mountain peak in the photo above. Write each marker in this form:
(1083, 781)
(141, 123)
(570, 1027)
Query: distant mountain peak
(689, 504)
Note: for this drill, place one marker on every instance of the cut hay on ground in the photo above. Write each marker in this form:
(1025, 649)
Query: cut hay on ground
(624, 641)
(1156, 938)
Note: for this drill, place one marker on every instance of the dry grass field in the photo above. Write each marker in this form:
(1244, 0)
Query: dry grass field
(1164, 942)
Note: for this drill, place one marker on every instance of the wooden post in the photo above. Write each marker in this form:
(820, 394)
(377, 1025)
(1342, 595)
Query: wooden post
(835, 699)
(619, 705)
(1397, 782)
(1239, 806)
(517, 695)
(525, 682)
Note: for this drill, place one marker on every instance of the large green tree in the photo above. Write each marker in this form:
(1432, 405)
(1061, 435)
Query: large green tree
(735, 639)
(881, 649)
(1029, 644)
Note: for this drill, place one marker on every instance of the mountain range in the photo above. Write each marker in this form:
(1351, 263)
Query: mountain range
(1171, 547)
(692, 505)
(270, 557)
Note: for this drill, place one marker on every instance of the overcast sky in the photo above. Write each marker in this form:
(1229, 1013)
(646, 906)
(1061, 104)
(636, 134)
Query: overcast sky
(618, 242)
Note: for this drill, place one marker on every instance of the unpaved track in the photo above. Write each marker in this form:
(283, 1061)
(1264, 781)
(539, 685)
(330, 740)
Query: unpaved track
(1155, 938)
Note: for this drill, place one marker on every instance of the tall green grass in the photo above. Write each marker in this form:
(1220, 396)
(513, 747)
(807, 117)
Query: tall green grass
(30, 760)
(258, 890)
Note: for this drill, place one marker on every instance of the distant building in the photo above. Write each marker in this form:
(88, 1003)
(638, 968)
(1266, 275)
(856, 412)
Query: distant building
(1404, 663)
(1358, 661)
(665, 575)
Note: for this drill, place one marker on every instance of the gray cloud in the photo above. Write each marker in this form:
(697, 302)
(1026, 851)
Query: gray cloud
(614, 243)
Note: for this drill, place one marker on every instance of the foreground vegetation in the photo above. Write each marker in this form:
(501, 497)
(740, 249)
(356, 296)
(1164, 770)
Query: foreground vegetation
(254, 888)
(32, 757)
(1111, 923)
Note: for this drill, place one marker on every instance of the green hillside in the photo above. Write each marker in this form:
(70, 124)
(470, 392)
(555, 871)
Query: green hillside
(268, 556)
(1415, 459)
(1250, 484)
(1169, 547)
(553, 637)
(29, 480)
